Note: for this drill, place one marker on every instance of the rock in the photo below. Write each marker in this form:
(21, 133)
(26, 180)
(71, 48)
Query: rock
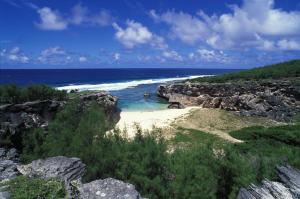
(16, 119)
(64, 168)
(288, 189)
(291, 177)
(108, 188)
(176, 105)
(107, 101)
(276, 99)
(9, 159)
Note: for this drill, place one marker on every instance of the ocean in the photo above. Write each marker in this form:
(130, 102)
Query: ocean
(129, 85)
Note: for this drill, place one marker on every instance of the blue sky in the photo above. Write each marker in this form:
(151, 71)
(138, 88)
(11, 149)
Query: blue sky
(165, 33)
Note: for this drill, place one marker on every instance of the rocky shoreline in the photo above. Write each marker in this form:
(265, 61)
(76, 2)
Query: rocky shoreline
(275, 99)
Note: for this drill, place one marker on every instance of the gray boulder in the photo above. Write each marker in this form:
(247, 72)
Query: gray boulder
(69, 170)
(108, 188)
(289, 188)
(65, 168)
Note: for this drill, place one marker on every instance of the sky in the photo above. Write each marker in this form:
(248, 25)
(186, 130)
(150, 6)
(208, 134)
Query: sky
(146, 34)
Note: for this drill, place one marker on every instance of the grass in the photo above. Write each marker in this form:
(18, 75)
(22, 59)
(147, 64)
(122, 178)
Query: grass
(282, 70)
(220, 122)
(35, 188)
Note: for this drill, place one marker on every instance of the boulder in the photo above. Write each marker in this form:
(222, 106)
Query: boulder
(66, 169)
(289, 188)
(108, 188)
(9, 159)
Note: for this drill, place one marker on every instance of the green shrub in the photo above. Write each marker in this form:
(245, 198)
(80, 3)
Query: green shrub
(14, 94)
(200, 165)
(276, 71)
(267, 147)
(35, 188)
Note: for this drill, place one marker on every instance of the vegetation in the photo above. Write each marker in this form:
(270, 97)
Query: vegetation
(15, 94)
(192, 165)
(276, 71)
(23, 188)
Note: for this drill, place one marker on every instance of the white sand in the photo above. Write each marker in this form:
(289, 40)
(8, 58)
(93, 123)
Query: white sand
(149, 119)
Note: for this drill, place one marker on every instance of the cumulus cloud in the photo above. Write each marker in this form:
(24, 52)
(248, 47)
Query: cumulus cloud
(53, 55)
(117, 56)
(82, 59)
(285, 44)
(53, 19)
(81, 15)
(184, 26)
(14, 55)
(257, 23)
(207, 55)
(172, 55)
(136, 34)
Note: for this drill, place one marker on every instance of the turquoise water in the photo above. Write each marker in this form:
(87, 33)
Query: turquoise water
(133, 99)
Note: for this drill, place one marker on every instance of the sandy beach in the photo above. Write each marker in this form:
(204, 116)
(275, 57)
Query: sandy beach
(149, 119)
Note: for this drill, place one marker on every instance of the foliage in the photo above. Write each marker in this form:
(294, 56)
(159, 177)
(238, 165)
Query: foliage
(267, 147)
(276, 71)
(192, 165)
(23, 188)
(14, 94)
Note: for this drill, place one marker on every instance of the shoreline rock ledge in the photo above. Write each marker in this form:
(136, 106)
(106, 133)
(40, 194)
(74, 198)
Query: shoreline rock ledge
(275, 99)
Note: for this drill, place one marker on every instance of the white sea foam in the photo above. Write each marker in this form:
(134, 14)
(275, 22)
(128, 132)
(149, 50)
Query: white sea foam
(122, 85)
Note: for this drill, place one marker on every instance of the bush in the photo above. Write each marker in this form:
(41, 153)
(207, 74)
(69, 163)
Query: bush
(276, 71)
(23, 188)
(200, 165)
(12, 94)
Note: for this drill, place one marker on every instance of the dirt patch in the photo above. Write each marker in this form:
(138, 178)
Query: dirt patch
(219, 122)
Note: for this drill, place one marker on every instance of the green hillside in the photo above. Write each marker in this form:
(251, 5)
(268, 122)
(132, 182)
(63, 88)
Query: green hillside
(276, 71)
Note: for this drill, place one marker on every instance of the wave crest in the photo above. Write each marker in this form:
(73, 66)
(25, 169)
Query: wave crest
(122, 85)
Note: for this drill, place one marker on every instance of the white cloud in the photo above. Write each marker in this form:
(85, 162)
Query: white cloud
(256, 24)
(82, 59)
(183, 26)
(206, 55)
(14, 55)
(53, 55)
(285, 44)
(117, 56)
(51, 20)
(172, 55)
(136, 34)
(80, 15)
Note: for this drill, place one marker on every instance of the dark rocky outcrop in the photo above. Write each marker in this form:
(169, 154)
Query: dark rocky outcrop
(108, 188)
(276, 99)
(107, 101)
(17, 119)
(288, 188)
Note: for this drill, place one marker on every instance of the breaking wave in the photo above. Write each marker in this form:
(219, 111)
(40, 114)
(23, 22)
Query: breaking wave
(122, 85)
